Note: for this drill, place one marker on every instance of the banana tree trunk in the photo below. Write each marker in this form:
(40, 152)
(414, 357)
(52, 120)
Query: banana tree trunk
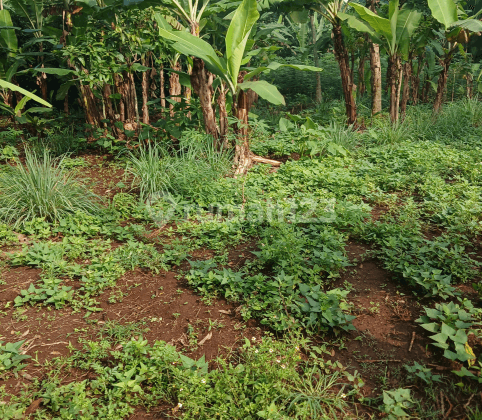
(119, 87)
(162, 92)
(407, 75)
(223, 115)
(92, 114)
(361, 75)
(341, 55)
(395, 85)
(130, 100)
(145, 95)
(375, 67)
(442, 81)
(174, 88)
(201, 82)
(318, 97)
(109, 111)
(470, 85)
(242, 157)
(416, 81)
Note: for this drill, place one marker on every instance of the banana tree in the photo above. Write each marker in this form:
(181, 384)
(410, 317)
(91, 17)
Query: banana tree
(393, 34)
(459, 28)
(331, 11)
(228, 70)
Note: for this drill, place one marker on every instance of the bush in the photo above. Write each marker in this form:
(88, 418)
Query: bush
(41, 188)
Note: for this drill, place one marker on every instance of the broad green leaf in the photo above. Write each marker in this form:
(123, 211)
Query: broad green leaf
(393, 12)
(265, 90)
(285, 124)
(8, 38)
(63, 89)
(432, 327)
(393, 7)
(21, 105)
(380, 25)
(162, 22)
(355, 23)
(12, 70)
(447, 330)
(460, 337)
(407, 22)
(7, 85)
(439, 338)
(237, 36)
(310, 124)
(300, 16)
(445, 11)
(472, 25)
(188, 44)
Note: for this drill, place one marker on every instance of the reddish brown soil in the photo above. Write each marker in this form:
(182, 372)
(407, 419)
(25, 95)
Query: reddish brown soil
(164, 308)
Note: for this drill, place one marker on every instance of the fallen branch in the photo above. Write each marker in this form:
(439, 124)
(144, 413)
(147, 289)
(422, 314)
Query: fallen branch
(411, 342)
(378, 361)
(264, 160)
(468, 402)
(446, 416)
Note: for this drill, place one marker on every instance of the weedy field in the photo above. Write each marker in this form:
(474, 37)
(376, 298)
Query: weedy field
(149, 283)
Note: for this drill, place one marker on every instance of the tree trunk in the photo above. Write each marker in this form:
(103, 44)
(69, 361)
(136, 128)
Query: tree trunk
(407, 75)
(442, 81)
(109, 111)
(425, 90)
(318, 97)
(174, 87)
(223, 115)
(341, 55)
(152, 79)
(201, 82)
(145, 95)
(361, 75)
(416, 81)
(131, 110)
(395, 85)
(42, 84)
(92, 114)
(66, 104)
(352, 66)
(388, 78)
(119, 87)
(470, 89)
(162, 92)
(242, 156)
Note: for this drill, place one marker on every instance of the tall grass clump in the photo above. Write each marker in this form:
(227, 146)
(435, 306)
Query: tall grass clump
(384, 132)
(473, 108)
(41, 188)
(422, 121)
(150, 167)
(342, 135)
(192, 171)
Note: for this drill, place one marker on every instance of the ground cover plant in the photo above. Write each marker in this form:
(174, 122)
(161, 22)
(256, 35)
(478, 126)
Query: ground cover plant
(216, 211)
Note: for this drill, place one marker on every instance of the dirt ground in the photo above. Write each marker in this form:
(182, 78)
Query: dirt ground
(163, 307)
